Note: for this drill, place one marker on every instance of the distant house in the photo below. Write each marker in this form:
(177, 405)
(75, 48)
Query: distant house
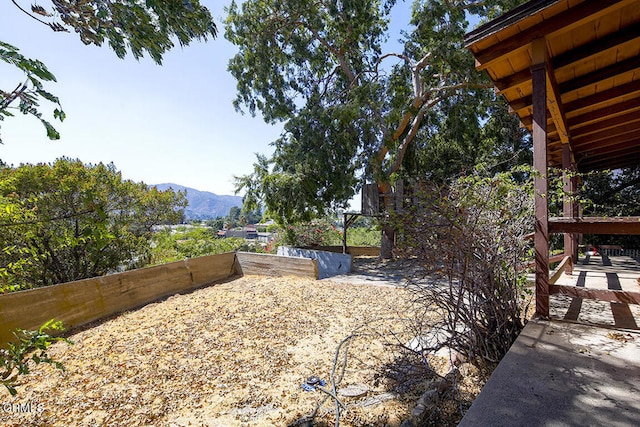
(249, 232)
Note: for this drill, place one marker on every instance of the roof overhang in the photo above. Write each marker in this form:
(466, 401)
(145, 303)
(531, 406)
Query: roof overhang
(592, 53)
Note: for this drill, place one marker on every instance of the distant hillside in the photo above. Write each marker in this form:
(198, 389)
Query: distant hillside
(204, 204)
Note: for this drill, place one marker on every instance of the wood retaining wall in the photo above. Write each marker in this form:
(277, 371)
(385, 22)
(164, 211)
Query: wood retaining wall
(273, 265)
(84, 301)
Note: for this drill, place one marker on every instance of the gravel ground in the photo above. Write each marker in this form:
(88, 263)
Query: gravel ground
(236, 354)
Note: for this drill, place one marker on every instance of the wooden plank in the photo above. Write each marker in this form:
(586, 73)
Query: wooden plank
(604, 96)
(84, 301)
(370, 199)
(596, 225)
(602, 113)
(600, 75)
(209, 269)
(541, 207)
(566, 265)
(613, 123)
(596, 294)
(597, 47)
(273, 265)
(605, 134)
(562, 22)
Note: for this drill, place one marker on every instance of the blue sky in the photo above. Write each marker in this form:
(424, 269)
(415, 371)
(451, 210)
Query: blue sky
(169, 123)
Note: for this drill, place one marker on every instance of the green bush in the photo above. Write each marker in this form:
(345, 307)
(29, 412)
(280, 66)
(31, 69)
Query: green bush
(191, 242)
(31, 347)
(361, 236)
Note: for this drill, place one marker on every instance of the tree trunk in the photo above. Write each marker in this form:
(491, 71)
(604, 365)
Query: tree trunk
(388, 231)
(388, 241)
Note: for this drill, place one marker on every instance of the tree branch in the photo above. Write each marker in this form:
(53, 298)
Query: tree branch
(28, 14)
(12, 96)
(415, 126)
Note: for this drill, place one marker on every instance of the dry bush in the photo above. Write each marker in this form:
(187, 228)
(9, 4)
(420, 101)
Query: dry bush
(468, 239)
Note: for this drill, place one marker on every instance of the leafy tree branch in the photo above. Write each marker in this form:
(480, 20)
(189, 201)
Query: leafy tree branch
(139, 28)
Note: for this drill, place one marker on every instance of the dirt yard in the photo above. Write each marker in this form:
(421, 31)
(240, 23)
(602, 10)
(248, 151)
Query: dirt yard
(236, 354)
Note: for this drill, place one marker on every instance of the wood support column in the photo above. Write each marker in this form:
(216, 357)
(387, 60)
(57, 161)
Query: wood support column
(568, 202)
(541, 201)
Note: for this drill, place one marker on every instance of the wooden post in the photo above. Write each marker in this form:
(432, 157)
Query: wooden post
(541, 203)
(344, 233)
(567, 203)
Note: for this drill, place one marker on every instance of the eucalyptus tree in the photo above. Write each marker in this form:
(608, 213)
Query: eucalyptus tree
(150, 27)
(351, 111)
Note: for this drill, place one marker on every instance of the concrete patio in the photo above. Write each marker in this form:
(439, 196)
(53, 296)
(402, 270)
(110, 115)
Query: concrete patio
(581, 367)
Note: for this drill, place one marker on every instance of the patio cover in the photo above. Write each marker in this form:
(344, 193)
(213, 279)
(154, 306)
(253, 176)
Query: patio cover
(570, 70)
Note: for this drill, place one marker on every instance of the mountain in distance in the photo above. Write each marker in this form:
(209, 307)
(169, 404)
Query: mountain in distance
(204, 204)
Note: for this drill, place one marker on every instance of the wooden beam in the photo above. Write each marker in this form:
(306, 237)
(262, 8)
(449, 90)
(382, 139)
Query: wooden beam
(523, 105)
(518, 105)
(604, 96)
(580, 131)
(523, 78)
(602, 136)
(541, 186)
(568, 166)
(566, 265)
(602, 113)
(560, 23)
(612, 151)
(597, 294)
(613, 160)
(554, 105)
(599, 46)
(513, 81)
(611, 164)
(596, 225)
(609, 148)
(605, 113)
(601, 74)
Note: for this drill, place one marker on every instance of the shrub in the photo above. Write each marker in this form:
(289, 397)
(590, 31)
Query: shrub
(469, 241)
(317, 232)
(15, 360)
(191, 242)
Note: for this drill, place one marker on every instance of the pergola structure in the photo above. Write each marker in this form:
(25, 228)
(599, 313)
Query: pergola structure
(570, 70)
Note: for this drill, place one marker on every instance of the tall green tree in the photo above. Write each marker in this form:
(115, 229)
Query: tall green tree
(149, 28)
(68, 221)
(352, 112)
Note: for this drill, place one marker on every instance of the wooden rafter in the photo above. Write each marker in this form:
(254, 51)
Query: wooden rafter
(603, 125)
(562, 22)
(608, 73)
(608, 96)
(608, 137)
(606, 112)
(614, 159)
(570, 58)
